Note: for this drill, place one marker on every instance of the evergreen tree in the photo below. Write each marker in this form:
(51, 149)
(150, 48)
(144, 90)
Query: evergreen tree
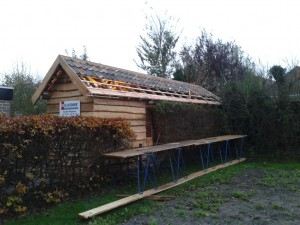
(24, 86)
(155, 51)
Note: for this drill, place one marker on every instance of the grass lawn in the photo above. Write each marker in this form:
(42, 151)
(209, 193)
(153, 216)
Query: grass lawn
(203, 199)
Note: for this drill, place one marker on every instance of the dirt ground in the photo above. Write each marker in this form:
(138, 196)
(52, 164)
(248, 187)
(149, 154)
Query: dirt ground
(253, 196)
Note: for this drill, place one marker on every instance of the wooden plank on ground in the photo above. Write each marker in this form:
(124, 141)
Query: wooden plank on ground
(153, 197)
(133, 198)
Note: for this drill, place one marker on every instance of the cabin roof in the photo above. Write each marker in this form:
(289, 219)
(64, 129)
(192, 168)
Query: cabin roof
(102, 80)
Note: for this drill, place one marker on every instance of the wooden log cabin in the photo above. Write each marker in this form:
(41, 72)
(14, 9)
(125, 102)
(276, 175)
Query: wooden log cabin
(109, 92)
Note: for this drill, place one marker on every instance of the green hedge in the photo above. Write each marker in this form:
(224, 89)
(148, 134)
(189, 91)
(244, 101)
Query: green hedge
(178, 121)
(44, 159)
(272, 125)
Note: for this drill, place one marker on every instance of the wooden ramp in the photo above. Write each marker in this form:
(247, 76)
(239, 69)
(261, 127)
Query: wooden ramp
(133, 198)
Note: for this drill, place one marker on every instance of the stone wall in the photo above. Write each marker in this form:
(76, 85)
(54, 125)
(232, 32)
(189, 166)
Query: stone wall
(5, 107)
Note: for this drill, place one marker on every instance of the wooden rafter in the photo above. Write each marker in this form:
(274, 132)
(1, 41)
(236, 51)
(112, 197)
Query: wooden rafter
(96, 83)
(99, 92)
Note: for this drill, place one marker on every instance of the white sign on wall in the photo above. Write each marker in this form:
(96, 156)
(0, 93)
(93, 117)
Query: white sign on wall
(69, 108)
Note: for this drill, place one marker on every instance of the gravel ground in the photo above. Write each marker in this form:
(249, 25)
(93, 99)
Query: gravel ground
(254, 196)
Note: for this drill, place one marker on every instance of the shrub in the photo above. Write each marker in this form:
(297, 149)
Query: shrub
(178, 121)
(273, 129)
(45, 158)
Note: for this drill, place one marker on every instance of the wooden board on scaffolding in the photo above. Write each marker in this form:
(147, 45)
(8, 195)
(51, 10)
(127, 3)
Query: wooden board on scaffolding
(133, 198)
(158, 148)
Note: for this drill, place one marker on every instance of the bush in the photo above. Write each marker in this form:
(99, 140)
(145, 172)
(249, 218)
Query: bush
(43, 159)
(178, 121)
(273, 129)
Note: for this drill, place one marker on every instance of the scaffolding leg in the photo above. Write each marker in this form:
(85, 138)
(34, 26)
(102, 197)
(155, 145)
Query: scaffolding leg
(146, 171)
(226, 150)
(208, 155)
(171, 166)
(176, 160)
(220, 151)
(241, 154)
(180, 162)
(139, 165)
(153, 168)
(236, 151)
(212, 155)
(201, 157)
(150, 170)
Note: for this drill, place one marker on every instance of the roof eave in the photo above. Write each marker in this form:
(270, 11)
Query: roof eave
(134, 95)
(45, 81)
(70, 72)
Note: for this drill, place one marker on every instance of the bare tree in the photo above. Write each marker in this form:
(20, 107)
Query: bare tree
(212, 63)
(291, 63)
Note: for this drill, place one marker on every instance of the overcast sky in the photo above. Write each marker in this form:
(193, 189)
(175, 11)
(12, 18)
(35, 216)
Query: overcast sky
(36, 31)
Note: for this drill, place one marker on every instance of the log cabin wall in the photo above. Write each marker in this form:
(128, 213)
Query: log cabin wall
(64, 90)
(132, 111)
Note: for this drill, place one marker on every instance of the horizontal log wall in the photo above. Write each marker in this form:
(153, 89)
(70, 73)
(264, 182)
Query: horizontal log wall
(64, 90)
(133, 111)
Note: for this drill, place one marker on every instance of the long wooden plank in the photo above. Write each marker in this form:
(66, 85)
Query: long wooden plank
(116, 102)
(138, 129)
(124, 109)
(153, 197)
(82, 99)
(133, 198)
(139, 136)
(64, 87)
(136, 95)
(129, 116)
(137, 122)
(64, 94)
(158, 148)
(126, 87)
